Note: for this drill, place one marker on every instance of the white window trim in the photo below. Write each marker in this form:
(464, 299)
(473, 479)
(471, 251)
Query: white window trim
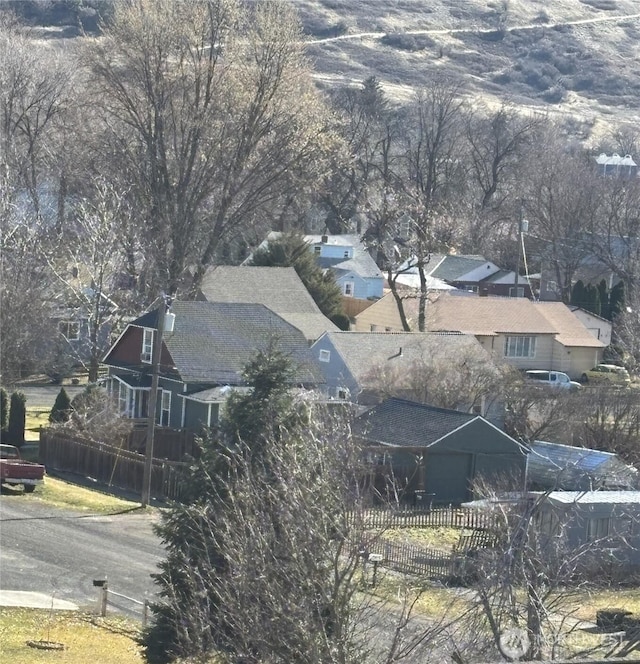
(511, 344)
(324, 356)
(164, 410)
(146, 355)
(68, 324)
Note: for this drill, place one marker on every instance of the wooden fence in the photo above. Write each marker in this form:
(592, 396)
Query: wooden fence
(445, 517)
(109, 464)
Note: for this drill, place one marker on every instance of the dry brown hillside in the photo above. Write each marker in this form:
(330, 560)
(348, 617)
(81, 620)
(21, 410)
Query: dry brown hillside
(578, 59)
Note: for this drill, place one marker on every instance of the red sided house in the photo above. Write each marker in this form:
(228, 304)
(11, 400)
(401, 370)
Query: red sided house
(205, 347)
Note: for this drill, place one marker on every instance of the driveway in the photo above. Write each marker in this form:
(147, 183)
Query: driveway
(59, 553)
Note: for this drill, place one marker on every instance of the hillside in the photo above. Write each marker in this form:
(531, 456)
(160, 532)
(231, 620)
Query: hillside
(577, 59)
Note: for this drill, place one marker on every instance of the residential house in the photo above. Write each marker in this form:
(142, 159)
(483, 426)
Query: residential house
(87, 322)
(552, 466)
(383, 316)
(359, 366)
(436, 452)
(600, 327)
(278, 288)
(525, 334)
(603, 523)
(356, 272)
(205, 349)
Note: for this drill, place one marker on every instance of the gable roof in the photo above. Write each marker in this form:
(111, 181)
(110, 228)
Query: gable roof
(454, 267)
(420, 425)
(488, 316)
(363, 351)
(570, 330)
(361, 262)
(278, 288)
(212, 342)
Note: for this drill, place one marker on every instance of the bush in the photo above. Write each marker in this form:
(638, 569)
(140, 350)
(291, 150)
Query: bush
(61, 410)
(17, 419)
(406, 42)
(342, 321)
(4, 412)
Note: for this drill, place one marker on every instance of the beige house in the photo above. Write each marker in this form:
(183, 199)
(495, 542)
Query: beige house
(525, 334)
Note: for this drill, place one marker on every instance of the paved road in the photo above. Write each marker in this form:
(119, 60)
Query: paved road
(61, 552)
(44, 396)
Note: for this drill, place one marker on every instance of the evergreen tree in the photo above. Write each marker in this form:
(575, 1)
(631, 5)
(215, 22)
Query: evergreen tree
(616, 300)
(578, 295)
(61, 410)
(17, 419)
(4, 411)
(591, 299)
(248, 551)
(291, 250)
(603, 292)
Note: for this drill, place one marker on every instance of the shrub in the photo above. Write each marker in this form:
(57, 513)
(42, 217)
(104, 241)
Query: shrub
(17, 419)
(406, 42)
(4, 411)
(61, 410)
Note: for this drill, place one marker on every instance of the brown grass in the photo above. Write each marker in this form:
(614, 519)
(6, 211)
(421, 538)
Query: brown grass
(86, 639)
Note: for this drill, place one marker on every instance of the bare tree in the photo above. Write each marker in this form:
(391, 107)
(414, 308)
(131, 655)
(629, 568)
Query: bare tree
(24, 298)
(563, 200)
(464, 380)
(527, 579)
(36, 83)
(212, 113)
(88, 258)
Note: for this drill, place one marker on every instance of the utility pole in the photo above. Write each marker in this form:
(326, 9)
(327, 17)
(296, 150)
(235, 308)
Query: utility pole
(153, 400)
(522, 228)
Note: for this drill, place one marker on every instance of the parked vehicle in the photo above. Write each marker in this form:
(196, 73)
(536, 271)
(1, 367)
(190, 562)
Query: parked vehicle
(607, 373)
(555, 379)
(15, 470)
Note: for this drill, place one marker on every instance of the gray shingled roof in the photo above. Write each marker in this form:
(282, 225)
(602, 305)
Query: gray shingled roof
(213, 341)
(452, 268)
(402, 423)
(278, 288)
(362, 351)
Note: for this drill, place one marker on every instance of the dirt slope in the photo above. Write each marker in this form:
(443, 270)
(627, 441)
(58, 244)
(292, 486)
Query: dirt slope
(579, 60)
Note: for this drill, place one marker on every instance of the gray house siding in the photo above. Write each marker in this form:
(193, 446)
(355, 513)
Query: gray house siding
(334, 370)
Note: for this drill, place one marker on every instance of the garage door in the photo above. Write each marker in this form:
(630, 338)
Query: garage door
(447, 476)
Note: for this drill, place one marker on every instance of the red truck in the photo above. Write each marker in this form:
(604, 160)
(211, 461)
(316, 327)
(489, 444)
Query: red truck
(15, 470)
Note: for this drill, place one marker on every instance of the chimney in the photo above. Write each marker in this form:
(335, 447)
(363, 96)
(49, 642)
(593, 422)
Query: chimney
(324, 239)
(169, 322)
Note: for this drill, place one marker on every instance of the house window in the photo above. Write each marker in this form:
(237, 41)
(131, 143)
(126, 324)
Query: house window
(512, 291)
(165, 408)
(520, 347)
(342, 393)
(346, 253)
(373, 328)
(123, 399)
(317, 250)
(70, 329)
(325, 356)
(147, 346)
(348, 288)
(598, 529)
